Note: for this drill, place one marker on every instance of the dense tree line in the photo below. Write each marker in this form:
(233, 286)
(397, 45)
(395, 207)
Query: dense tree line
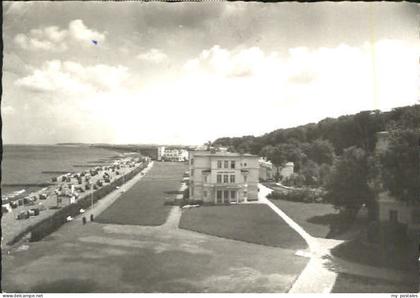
(339, 154)
(351, 130)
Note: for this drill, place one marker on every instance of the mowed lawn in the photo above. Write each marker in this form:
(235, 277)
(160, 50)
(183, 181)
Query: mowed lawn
(348, 283)
(143, 204)
(104, 258)
(255, 223)
(314, 218)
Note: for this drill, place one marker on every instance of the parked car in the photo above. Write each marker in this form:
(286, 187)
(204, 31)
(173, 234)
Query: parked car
(41, 207)
(35, 211)
(28, 201)
(22, 215)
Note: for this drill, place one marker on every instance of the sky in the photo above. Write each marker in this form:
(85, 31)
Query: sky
(186, 73)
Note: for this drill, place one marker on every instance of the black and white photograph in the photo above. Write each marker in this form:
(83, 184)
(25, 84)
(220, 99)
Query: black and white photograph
(210, 147)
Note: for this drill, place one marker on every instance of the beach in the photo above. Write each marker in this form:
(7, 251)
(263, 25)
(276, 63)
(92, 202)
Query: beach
(66, 189)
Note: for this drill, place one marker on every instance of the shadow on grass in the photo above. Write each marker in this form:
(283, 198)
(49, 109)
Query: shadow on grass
(400, 257)
(327, 219)
(338, 223)
(65, 286)
(349, 283)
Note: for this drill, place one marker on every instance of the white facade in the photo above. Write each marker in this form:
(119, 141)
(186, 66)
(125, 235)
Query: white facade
(160, 152)
(223, 177)
(287, 170)
(174, 154)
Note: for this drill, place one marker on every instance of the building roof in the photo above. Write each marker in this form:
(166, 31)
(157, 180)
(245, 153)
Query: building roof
(222, 154)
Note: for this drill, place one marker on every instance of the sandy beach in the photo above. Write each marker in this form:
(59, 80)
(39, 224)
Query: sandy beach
(12, 227)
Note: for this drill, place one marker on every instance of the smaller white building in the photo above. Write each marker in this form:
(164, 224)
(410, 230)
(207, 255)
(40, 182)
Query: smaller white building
(391, 209)
(265, 170)
(394, 211)
(160, 152)
(287, 170)
(173, 154)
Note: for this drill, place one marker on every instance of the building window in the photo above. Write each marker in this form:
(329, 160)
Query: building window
(219, 164)
(225, 178)
(245, 178)
(219, 178)
(232, 164)
(219, 196)
(245, 164)
(232, 178)
(226, 164)
(205, 178)
(192, 161)
(205, 193)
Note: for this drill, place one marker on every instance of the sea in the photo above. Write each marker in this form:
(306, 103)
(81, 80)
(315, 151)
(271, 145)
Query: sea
(26, 164)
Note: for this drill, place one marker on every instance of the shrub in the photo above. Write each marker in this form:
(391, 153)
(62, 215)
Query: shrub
(295, 179)
(299, 195)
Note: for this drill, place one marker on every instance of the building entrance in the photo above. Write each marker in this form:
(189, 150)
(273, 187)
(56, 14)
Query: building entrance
(226, 196)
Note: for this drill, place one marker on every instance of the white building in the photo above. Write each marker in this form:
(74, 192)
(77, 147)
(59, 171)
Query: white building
(173, 154)
(223, 177)
(391, 209)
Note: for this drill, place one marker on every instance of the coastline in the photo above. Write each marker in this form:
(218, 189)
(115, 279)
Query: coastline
(14, 230)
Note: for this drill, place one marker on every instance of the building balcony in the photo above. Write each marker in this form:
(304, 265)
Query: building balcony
(223, 185)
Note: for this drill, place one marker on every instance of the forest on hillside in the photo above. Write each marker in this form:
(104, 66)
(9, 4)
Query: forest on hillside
(338, 154)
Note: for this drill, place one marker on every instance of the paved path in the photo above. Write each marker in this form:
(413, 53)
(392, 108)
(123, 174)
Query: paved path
(321, 272)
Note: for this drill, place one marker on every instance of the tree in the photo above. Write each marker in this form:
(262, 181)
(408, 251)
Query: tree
(400, 165)
(310, 170)
(292, 152)
(324, 174)
(276, 156)
(320, 151)
(348, 187)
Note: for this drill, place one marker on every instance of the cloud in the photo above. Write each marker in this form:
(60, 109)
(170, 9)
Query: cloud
(54, 39)
(302, 78)
(80, 32)
(13, 63)
(230, 63)
(16, 8)
(302, 85)
(34, 43)
(153, 55)
(72, 77)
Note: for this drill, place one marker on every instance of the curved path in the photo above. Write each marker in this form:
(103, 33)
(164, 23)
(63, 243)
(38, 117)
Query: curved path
(321, 272)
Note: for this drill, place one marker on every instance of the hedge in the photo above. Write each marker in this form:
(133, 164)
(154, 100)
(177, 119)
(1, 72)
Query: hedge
(298, 195)
(48, 225)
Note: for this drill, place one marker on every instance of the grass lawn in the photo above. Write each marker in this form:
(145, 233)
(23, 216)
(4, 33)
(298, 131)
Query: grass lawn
(403, 257)
(348, 283)
(314, 218)
(104, 258)
(250, 223)
(143, 204)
